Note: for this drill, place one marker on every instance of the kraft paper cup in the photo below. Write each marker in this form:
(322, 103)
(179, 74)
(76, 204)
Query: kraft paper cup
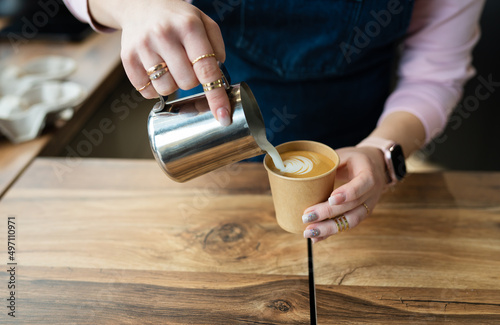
(291, 196)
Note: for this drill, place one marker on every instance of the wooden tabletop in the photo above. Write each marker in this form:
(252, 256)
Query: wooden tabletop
(429, 254)
(98, 68)
(116, 242)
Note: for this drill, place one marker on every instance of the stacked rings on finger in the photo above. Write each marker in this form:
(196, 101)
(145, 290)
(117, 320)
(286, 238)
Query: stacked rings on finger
(204, 56)
(155, 72)
(212, 85)
(156, 68)
(342, 223)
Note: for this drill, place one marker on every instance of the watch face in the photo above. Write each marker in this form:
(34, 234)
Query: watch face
(398, 161)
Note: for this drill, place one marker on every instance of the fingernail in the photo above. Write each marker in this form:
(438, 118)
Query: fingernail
(223, 116)
(336, 199)
(309, 217)
(311, 233)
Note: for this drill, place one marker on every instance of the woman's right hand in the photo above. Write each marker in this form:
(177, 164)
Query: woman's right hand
(174, 32)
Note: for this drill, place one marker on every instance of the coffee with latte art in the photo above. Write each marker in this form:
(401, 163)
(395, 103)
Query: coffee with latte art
(307, 179)
(303, 164)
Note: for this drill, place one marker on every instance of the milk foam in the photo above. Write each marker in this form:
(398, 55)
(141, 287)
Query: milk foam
(297, 165)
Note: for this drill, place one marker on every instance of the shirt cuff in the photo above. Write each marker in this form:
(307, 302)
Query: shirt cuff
(80, 9)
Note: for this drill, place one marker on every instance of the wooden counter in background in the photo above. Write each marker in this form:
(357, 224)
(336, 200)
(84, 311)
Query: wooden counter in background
(98, 70)
(116, 241)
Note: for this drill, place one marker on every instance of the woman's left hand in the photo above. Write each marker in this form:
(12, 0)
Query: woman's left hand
(363, 172)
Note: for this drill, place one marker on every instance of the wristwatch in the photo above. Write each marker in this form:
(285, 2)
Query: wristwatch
(393, 156)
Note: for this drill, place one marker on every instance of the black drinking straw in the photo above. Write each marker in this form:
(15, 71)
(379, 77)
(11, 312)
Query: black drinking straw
(312, 287)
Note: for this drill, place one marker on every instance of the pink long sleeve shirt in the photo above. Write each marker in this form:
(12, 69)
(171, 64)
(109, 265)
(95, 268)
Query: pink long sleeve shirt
(435, 63)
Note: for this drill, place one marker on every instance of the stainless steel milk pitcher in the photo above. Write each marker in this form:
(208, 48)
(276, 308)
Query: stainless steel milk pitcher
(187, 141)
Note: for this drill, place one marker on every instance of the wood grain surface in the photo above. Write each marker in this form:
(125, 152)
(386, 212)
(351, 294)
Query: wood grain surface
(14, 158)
(108, 241)
(429, 254)
(203, 252)
(436, 230)
(128, 214)
(399, 305)
(110, 296)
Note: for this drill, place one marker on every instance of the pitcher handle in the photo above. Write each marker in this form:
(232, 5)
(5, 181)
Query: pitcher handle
(226, 78)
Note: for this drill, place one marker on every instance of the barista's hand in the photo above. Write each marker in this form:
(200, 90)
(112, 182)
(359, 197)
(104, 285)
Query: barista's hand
(177, 33)
(363, 172)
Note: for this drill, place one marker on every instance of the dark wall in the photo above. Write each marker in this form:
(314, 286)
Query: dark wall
(471, 140)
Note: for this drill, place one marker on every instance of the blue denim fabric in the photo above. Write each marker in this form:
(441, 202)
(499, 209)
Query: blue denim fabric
(320, 70)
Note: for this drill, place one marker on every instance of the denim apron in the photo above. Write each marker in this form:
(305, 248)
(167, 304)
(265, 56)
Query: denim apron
(320, 69)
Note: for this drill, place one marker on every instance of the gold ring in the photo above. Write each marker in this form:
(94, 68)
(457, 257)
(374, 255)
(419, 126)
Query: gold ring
(212, 85)
(155, 68)
(367, 209)
(204, 56)
(143, 87)
(158, 74)
(342, 223)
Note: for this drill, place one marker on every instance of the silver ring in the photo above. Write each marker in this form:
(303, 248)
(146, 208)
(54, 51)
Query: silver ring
(158, 74)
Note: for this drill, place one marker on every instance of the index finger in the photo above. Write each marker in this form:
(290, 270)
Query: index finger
(210, 76)
(204, 60)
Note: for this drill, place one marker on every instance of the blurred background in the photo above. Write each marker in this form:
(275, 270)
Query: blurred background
(61, 25)
(472, 139)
